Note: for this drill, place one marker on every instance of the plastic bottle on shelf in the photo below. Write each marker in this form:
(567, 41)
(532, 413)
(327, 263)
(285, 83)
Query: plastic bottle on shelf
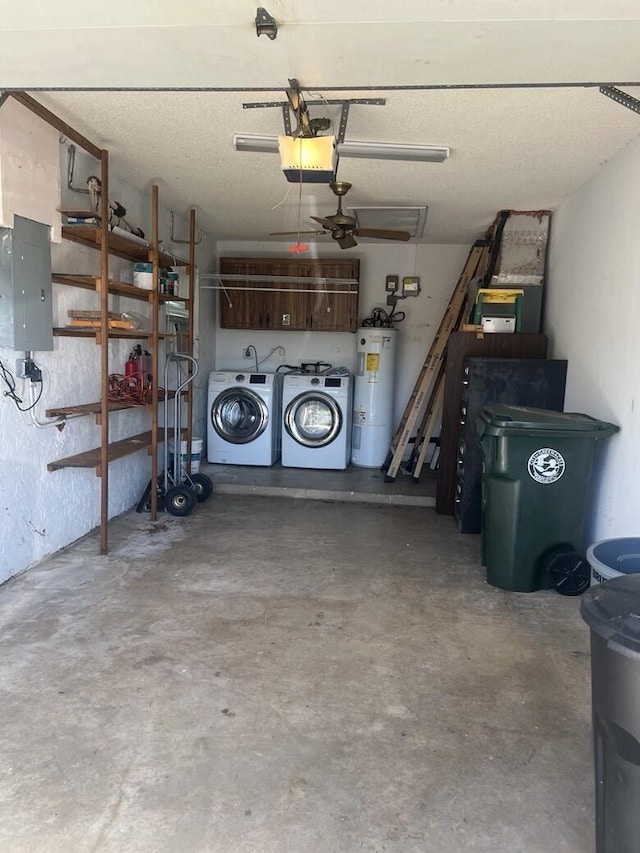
(143, 276)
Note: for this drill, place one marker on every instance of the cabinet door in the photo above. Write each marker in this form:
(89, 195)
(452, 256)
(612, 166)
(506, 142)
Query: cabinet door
(286, 307)
(330, 311)
(241, 309)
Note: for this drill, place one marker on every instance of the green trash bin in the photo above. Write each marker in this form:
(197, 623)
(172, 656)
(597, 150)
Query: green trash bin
(536, 473)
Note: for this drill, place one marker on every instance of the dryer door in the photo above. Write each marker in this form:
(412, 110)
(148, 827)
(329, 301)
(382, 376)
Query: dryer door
(313, 419)
(239, 415)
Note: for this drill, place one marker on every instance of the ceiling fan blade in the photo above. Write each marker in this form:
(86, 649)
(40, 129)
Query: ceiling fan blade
(381, 234)
(346, 242)
(294, 233)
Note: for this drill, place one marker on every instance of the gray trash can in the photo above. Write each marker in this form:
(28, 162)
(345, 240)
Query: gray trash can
(612, 611)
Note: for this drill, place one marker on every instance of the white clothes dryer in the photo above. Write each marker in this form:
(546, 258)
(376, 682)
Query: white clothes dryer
(316, 421)
(244, 417)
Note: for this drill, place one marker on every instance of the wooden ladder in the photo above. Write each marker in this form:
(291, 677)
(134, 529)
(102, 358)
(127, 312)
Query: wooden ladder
(431, 376)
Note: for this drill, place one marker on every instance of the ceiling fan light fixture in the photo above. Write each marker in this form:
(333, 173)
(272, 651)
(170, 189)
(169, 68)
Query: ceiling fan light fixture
(264, 144)
(308, 159)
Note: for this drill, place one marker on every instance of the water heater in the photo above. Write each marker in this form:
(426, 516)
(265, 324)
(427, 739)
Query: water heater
(373, 396)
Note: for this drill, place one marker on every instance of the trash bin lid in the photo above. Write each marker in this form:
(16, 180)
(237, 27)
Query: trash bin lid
(502, 416)
(612, 610)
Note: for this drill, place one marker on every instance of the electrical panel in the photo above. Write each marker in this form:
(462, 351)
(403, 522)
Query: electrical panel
(410, 285)
(26, 315)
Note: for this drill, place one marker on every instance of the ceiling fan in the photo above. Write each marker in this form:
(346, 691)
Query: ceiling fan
(341, 227)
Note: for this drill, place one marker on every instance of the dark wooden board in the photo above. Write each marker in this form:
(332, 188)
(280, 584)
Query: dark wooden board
(461, 345)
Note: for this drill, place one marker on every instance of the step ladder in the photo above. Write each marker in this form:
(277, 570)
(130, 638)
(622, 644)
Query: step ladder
(429, 387)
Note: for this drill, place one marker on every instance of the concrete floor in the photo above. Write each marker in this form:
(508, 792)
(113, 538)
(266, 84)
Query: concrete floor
(359, 485)
(280, 675)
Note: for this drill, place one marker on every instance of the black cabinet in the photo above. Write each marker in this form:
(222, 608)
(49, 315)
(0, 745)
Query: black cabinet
(463, 345)
(536, 382)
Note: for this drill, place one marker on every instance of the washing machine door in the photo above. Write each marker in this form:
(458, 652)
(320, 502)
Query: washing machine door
(239, 415)
(313, 419)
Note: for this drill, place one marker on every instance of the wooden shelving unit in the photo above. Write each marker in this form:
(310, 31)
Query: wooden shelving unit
(110, 244)
(98, 236)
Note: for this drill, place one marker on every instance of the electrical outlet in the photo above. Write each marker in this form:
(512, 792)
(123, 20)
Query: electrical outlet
(246, 352)
(26, 368)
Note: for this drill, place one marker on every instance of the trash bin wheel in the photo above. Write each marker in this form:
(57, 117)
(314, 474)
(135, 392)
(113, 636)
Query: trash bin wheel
(569, 573)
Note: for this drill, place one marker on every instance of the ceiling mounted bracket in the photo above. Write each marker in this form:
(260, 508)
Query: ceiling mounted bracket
(621, 97)
(173, 237)
(306, 126)
(286, 118)
(344, 117)
(258, 105)
(299, 109)
(265, 24)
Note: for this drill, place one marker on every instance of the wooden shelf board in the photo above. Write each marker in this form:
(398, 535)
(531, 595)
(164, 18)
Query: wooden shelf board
(78, 211)
(90, 235)
(117, 450)
(91, 282)
(96, 408)
(165, 297)
(80, 332)
(84, 409)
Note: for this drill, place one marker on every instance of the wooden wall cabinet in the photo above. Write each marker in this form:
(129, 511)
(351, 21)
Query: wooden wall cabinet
(251, 303)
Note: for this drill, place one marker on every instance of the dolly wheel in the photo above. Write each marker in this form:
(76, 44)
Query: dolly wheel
(144, 504)
(179, 500)
(569, 574)
(202, 486)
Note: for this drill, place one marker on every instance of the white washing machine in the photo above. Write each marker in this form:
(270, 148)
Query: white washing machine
(244, 417)
(316, 421)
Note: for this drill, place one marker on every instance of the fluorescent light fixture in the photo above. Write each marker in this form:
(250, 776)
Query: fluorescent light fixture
(308, 159)
(394, 151)
(367, 150)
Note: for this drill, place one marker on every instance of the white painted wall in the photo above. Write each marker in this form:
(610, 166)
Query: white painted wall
(438, 266)
(29, 172)
(592, 315)
(41, 512)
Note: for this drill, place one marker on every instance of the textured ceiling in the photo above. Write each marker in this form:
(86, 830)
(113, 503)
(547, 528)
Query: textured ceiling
(514, 148)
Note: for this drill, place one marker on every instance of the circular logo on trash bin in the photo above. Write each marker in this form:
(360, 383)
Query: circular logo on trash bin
(546, 465)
